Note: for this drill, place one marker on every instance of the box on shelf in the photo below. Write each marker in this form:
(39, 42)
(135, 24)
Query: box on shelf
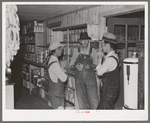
(34, 26)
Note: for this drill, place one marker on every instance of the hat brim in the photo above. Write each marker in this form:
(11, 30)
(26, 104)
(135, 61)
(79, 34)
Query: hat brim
(109, 40)
(60, 45)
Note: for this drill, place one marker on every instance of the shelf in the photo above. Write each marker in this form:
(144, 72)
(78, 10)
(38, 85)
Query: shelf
(42, 46)
(35, 64)
(130, 41)
(31, 43)
(70, 87)
(70, 102)
(30, 52)
(70, 42)
(80, 26)
(30, 33)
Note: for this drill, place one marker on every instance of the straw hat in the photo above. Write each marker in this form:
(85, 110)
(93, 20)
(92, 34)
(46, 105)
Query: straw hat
(55, 45)
(109, 37)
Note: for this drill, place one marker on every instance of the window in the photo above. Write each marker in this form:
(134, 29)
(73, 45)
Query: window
(129, 32)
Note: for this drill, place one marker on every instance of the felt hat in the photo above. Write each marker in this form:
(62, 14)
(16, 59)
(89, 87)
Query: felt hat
(109, 37)
(54, 45)
(84, 36)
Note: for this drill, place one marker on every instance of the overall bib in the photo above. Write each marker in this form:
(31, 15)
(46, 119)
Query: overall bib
(56, 92)
(86, 85)
(110, 89)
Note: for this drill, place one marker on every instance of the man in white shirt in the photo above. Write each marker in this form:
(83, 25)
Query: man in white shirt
(109, 70)
(57, 77)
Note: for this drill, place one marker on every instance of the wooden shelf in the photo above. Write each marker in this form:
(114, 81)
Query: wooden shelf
(42, 46)
(70, 42)
(80, 26)
(35, 64)
(70, 87)
(130, 41)
(70, 102)
(30, 33)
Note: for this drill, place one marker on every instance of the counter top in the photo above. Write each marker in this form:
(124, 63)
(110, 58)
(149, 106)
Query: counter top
(35, 63)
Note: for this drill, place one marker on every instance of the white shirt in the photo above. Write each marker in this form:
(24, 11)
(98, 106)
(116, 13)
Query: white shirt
(55, 71)
(108, 65)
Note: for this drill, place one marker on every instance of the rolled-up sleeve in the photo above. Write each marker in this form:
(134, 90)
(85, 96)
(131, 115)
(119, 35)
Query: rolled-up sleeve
(108, 65)
(57, 70)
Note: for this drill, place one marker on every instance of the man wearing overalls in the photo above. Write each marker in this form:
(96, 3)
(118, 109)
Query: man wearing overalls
(85, 77)
(57, 77)
(109, 70)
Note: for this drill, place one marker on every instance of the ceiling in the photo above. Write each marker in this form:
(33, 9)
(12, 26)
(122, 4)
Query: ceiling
(28, 13)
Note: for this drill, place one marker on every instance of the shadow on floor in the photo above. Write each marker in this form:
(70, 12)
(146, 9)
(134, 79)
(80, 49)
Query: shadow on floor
(28, 101)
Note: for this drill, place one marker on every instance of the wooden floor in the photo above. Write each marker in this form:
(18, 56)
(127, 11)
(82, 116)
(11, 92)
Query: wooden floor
(28, 101)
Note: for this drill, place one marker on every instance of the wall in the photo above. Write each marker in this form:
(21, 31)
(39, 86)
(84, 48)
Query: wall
(89, 16)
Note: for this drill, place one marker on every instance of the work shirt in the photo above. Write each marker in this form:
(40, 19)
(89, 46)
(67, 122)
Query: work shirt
(55, 71)
(86, 52)
(109, 64)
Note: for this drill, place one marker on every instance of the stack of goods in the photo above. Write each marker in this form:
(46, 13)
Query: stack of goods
(71, 82)
(26, 75)
(74, 35)
(12, 33)
(32, 27)
(69, 95)
(69, 52)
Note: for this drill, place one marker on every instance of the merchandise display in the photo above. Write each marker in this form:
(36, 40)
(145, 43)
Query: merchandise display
(81, 51)
(12, 34)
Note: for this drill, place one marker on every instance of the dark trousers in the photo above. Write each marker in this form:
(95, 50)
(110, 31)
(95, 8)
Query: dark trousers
(107, 100)
(56, 94)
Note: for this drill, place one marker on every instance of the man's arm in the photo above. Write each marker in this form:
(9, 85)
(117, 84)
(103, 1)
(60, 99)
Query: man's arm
(108, 65)
(59, 72)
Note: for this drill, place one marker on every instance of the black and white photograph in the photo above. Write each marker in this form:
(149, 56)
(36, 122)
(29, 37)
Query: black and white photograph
(75, 61)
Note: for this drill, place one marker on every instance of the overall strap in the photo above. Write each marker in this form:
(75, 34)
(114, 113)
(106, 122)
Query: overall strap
(51, 63)
(115, 59)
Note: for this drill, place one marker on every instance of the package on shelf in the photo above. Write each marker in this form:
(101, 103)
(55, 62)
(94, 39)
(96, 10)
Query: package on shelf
(71, 82)
(41, 60)
(71, 95)
(26, 84)
(36, 71)
(46, 74)
(40, 49)
(38, 83)
(23, 74)
(65, 36)
(58, 36)
(34, 26)
(24, 30)
(36, 57)
(27, 76)
(35, 79)
(66, 94)
(45, 84)
(46, 95)
(42, 92)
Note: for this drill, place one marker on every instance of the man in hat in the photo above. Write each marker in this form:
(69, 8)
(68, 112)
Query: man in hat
(86, 85)
(109, 70)
(57, 76)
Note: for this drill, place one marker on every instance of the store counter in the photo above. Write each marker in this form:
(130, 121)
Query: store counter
(9, 92)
